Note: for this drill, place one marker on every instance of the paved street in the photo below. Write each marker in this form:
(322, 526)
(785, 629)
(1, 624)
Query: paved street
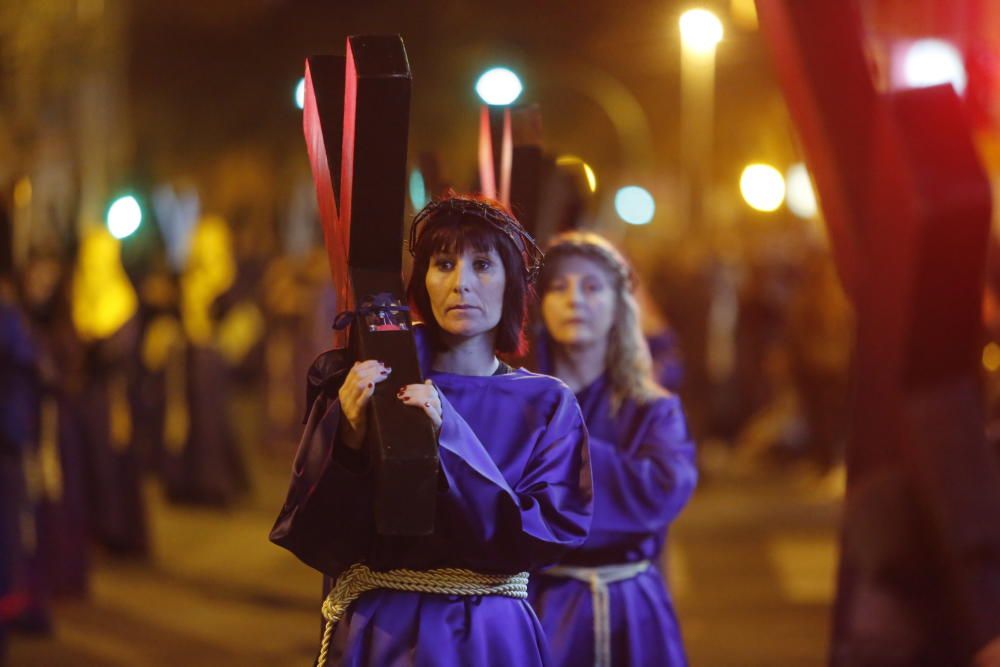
(751, 564)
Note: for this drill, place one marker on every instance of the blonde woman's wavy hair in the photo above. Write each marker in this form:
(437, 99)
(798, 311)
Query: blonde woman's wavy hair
(629, 365)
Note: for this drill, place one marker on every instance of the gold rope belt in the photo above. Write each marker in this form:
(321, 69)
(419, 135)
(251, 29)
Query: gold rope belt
(599, 578)
(359, 578)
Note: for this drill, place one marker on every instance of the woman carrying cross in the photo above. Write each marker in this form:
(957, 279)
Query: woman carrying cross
(514, 485)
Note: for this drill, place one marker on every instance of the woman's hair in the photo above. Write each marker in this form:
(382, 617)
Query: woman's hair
(628, 363)
(457, 222)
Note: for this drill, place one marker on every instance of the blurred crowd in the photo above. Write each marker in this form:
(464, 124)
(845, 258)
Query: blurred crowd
(118, 370)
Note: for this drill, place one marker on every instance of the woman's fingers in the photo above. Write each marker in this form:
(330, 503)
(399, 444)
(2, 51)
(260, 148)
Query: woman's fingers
(425, 397)
(358, 387)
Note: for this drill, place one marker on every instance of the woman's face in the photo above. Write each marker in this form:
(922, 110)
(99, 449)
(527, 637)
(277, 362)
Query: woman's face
(466, 291)
(578, 305)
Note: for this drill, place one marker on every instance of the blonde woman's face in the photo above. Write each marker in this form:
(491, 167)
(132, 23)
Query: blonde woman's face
(578, 306)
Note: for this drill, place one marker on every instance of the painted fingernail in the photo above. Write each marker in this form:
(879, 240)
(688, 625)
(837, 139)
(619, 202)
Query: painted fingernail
(370, 385)
(400, 392)
(384, 372)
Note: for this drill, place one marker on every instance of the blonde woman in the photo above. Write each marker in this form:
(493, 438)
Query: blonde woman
(607, 603)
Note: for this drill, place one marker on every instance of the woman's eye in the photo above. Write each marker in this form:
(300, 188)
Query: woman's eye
(481, 265)
(444, 265)
(592, 287)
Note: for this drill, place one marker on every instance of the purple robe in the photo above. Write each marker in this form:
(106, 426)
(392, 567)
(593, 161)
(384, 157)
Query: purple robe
(644, 474)
(18, 416)
(514, 495)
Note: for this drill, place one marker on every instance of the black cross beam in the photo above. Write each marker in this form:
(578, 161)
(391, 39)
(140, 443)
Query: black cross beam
(356, 123)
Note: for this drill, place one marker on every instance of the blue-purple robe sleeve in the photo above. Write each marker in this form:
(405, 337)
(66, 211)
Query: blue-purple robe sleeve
(326, 518)
(644, 483)
(525, 523)
(18, 389)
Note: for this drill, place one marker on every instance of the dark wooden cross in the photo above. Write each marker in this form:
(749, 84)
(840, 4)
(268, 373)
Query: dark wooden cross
(514, 168)
(356, 123)
(907, 204)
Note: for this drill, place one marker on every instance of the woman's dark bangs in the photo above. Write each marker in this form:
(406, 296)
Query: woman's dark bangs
(455, 235)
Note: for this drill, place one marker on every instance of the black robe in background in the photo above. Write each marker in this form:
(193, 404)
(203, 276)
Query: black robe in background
(117, 507)
(209, 469)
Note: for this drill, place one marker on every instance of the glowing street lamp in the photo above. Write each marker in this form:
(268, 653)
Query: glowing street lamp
(930, 62)
(701, 30)
(300, 93)
(498, 87)
(762, 187)
(635, 205)
(124, 216)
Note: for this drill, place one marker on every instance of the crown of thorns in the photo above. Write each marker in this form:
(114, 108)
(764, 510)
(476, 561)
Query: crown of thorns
(489, 213)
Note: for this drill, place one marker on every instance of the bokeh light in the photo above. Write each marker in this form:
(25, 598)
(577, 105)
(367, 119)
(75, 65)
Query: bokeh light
(124, 217)
(991, 357)
(701, 30)
(588, 171)
(635, 205)
(762, 187)
(800, 196)
(930, 62)
(498, 87)
(300, 93)
(417, 189)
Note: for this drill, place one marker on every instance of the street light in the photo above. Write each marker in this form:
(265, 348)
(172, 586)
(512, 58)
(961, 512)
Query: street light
(762, 187)
(498, 87)
(700, 31)
(124, 216)
(635, 205)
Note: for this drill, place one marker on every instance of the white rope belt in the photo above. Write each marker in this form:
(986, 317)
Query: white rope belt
(359, 579)
(599, 578)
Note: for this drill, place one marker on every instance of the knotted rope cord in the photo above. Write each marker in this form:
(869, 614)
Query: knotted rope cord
(381, 302)
(599, 578)
(359, 579)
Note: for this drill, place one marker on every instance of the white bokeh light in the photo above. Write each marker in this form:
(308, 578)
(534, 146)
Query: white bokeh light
(930, 62)
(124, 217)
(800, 197)
(498, 87)
(762, 187)
(701, 30)
(635, 205)
(300, 94)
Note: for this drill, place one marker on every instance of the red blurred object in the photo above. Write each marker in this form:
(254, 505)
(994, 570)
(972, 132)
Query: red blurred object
(908, 207)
